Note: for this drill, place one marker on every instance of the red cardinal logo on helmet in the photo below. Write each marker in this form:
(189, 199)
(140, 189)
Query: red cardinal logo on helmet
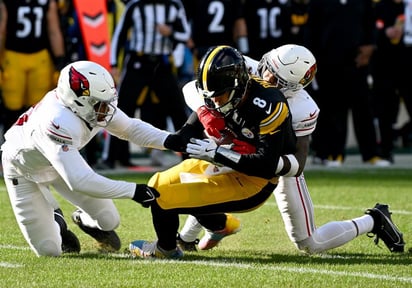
(79, 83)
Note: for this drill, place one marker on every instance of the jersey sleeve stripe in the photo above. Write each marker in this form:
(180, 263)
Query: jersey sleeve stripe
(275, 119)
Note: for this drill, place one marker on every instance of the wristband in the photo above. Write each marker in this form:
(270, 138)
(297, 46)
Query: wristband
(287, 171)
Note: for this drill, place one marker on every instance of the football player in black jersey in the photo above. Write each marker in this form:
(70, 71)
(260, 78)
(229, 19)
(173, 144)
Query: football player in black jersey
(271, 23)
(30, 40)
(222, 178)
(217, 22)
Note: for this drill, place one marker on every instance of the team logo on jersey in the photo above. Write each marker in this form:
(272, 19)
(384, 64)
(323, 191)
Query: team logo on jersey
(79, 83)
(247, 133)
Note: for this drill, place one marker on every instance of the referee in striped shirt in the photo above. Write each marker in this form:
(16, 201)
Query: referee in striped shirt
(147, 32)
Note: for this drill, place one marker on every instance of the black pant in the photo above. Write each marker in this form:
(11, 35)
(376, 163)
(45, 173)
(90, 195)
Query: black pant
(343, 88)
(148, 84)
(389, 89)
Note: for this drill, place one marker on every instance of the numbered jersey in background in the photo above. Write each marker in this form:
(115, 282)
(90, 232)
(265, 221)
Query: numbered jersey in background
(268, 25)
(212, 21)
(27, 25)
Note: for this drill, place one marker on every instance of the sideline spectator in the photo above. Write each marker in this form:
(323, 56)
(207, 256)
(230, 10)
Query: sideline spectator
(271, 23)
(148, 80)
(32, 52)
(391, 88)
(217, 22)
(340, 33)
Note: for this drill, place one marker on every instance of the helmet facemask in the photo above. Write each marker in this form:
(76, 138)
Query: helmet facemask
(102, 112)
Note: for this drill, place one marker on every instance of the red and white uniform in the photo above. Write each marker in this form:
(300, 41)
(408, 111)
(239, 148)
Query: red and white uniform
(42, 150)
(292, 195)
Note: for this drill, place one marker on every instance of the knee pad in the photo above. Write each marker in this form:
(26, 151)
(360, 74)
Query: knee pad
(108, 220)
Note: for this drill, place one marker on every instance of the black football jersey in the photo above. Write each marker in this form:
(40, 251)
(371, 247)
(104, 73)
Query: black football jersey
(213, 21)
(27, 25)
(268, 24)
(263, 119)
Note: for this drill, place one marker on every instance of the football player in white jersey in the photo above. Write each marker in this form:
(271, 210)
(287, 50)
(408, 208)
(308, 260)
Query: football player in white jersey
(41, 150)
(291, 68)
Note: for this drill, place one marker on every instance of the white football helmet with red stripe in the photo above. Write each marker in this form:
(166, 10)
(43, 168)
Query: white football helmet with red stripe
(293, 66)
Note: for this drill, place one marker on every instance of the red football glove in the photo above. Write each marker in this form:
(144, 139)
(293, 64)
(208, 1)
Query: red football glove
(212, 121)
(243, 147)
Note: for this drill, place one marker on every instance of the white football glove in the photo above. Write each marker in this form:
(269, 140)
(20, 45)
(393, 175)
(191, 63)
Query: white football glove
(204, 149)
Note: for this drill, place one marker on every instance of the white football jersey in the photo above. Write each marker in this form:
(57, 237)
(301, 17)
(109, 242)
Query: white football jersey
(304, 111)
(45, 142)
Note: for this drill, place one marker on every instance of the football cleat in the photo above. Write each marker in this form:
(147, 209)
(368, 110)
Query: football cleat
(186, 246)
(107, 241)
(385, 229)
(146, 249)
(212, 238)
(70, 242)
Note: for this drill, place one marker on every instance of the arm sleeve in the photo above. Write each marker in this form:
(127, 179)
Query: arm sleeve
(61, 150)
(81, 178)
(137, 131)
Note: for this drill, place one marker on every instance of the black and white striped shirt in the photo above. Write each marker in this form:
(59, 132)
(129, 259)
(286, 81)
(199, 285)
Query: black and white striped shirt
(140, 17)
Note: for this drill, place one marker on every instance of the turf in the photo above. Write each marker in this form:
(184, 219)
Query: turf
(261, 255)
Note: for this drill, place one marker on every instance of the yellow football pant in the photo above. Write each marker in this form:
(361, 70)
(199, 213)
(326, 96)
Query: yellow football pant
(26, 78)
(230, 191)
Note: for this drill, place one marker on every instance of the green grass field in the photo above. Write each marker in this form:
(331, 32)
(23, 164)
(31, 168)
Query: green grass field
(261, 255)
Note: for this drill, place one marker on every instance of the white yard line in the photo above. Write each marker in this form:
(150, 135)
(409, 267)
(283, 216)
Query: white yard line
(278, 267)
(10, 265)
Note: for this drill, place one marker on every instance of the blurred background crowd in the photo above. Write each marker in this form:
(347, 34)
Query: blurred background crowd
(363, 50)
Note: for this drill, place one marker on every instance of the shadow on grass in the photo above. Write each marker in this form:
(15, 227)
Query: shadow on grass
(330, 259)
(259, 258)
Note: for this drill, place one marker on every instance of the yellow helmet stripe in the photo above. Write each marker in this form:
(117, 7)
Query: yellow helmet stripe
(208, 61)
(275, 119)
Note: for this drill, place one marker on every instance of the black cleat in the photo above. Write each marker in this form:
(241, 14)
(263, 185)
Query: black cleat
(108, 241)
(70, 242)
(385, 229)
(186, 246)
